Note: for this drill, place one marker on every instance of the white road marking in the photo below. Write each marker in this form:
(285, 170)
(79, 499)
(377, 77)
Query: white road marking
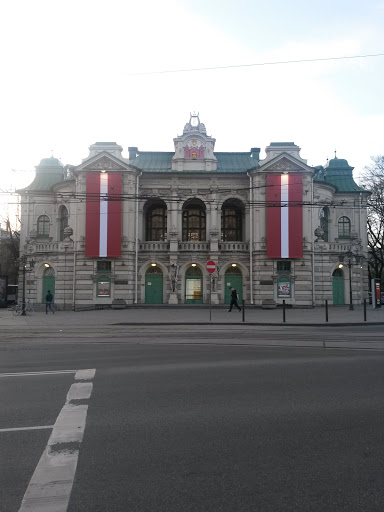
(80, 391)
(29, 374)
(16, 429)
(85, 374)
(51, 484)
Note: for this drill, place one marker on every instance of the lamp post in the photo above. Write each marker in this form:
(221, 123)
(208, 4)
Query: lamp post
(23, 260)
(349, 255)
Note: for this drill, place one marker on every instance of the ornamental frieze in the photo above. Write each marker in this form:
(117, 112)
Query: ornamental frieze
(106, 164)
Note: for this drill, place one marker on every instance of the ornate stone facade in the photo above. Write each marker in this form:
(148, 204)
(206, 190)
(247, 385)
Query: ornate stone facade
(183, 208)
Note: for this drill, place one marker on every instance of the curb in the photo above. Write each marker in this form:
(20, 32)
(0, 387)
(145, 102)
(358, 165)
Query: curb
(280, 324)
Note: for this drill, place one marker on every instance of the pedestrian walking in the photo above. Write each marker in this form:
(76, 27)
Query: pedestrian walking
(234, 298)
(48, 302)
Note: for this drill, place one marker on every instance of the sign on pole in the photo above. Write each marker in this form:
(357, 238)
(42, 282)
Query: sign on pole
(211, 266)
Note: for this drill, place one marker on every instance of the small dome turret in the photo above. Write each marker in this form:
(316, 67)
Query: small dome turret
(50, 165)
(338, 163)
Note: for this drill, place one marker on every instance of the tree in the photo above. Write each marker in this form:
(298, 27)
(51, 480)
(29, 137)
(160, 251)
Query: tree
(9, 252)
(373, 180)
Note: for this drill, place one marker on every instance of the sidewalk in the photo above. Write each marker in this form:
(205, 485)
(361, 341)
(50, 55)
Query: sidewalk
(339, 315)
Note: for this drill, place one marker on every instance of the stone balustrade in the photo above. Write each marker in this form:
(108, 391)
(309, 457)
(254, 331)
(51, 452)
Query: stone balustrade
(234, 246)
(153, 246)
(194, 246)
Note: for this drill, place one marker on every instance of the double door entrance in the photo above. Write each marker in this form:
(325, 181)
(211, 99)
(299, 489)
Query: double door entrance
(154, 286)
(233, 279)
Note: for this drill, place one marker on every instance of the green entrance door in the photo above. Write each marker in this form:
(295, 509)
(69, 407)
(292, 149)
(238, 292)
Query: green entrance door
(338, 287)
(154, 286)
(193, 286)
(48, 283)
(233, 279)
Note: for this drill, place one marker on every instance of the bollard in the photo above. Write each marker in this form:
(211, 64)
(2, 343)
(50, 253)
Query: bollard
(365, 310)
(243, 310)
(284, 311)
(326, 310)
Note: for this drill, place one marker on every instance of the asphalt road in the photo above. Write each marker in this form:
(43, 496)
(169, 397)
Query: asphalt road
(194, 426)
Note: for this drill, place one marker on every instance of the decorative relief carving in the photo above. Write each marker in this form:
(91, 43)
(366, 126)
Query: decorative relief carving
(285, 165)
(214, 231)
(173, 233)
(97, 276)
(68, 232)
(319, 234)
(105, 163)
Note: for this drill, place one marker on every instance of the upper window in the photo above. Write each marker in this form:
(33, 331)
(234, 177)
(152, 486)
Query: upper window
(103, 266)
(63, 221)
(324, 222)
(284, 266)
(43, 225)
(232, 221)
(344, 227)
(156, 222)
(194, 229)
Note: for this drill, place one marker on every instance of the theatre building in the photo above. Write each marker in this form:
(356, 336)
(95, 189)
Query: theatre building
(139, 226)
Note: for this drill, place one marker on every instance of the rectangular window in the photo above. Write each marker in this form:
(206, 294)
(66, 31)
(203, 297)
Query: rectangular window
(103, 266)
(284, 266)
(103, 288)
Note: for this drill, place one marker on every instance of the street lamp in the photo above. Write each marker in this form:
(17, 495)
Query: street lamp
(349, 255)
(23, 259)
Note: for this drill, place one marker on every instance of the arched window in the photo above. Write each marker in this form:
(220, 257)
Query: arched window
(324, 221)
(337, 273)
(194, 221)
(43, 226)
(63, 221)
(344, 227)
(232, 221)
(156, 222)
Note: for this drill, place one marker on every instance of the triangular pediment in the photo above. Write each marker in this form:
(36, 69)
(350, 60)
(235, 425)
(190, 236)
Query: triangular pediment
(284, 163)
(103, 162)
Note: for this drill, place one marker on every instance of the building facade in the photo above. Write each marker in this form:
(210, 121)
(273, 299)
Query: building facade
(141, 228)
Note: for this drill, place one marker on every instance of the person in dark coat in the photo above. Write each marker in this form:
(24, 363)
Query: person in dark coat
(233, 300)
(48, 302)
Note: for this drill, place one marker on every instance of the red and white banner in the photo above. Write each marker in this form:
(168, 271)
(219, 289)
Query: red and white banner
(284, 216)
(103, 215)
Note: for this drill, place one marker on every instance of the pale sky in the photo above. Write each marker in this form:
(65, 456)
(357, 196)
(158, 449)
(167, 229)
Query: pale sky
(68, 77)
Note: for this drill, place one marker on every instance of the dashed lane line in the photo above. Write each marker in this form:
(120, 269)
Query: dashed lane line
(17, 429)
(30, 374)
(51, 484)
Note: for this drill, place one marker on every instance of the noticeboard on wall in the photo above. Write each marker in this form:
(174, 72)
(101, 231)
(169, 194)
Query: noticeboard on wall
(284, 288)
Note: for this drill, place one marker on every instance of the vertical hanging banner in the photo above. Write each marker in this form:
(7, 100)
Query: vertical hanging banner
(103, 215)
(284, 216)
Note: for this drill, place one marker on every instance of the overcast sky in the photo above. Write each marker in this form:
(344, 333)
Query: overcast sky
(69, 77)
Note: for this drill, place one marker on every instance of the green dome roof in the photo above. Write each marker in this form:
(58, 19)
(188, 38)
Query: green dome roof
(338, 163)
(50, 162)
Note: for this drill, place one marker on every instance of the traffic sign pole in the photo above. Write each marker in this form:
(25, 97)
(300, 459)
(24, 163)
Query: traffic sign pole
(211, 267)
(210, 298)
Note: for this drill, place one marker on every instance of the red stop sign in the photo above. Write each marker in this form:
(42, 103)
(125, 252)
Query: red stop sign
(211, 266)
